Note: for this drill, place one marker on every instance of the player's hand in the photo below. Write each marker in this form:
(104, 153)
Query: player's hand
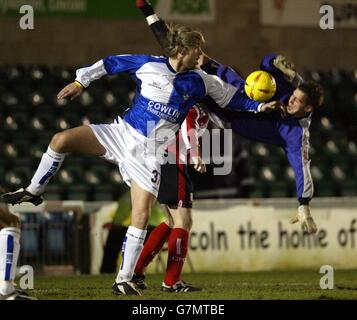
(304, 217)
(273, 106)
(285, 67)
(283, 110)
(71, 91)
(199, 165)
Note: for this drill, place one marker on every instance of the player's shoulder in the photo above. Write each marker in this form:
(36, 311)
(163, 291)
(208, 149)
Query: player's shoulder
(143, 58)
(200, 76)
(199, 73)
(305, 121)
(192, 77)
(160, 59)
(191, 83)
(206, 77)
(197, 78)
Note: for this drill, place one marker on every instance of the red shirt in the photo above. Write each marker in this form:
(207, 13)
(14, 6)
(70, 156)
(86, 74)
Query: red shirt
(188, 137)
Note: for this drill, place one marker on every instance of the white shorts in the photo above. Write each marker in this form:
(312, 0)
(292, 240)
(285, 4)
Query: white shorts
(125, 148)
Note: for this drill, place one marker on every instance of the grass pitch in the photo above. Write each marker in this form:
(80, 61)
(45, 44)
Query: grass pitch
(217, 286)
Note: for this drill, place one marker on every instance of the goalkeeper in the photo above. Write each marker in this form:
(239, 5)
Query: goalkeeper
(289, 131)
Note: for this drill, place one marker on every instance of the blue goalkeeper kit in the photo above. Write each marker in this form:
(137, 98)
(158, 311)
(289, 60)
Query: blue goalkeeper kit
(164, 96)
(290, 133)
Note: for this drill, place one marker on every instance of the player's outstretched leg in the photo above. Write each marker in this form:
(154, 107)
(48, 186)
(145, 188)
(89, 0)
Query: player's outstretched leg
(51, 162)
(81, 139)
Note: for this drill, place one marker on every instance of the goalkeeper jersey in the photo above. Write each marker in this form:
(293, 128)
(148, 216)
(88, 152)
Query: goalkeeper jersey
(290, 133)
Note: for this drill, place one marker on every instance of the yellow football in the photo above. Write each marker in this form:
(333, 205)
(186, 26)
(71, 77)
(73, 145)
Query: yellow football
(260, 86)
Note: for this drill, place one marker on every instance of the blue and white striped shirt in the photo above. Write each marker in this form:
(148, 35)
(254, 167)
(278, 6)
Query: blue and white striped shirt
(164, 96)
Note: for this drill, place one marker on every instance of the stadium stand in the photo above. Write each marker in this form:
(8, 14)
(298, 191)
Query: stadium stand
(30, 114)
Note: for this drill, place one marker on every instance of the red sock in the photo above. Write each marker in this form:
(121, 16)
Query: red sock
(153, 245)
(141, 3)
(178, 245)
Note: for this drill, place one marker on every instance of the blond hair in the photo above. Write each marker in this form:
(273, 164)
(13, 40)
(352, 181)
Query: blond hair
(181, 37)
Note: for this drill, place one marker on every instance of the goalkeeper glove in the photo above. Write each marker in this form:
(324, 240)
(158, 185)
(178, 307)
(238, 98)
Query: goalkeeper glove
(304, 217)
(285, 67)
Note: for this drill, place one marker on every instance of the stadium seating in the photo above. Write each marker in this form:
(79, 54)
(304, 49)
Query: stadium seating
(30, 114)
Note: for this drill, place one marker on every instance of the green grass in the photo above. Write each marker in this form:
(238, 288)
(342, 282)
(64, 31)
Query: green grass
(217, 286)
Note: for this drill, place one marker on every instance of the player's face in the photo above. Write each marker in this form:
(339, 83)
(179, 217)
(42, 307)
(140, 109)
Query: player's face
(297, 105)
(190, 59)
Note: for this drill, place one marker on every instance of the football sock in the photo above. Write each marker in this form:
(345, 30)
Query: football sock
(152, 247)
(132, 247)
(50, 163)
(178, 246)
(9, 253)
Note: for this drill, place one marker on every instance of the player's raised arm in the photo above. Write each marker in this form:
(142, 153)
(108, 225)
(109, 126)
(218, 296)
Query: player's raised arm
(84, 77)
(228, 96)
(157, 26)
(279, 65)
(304, 186)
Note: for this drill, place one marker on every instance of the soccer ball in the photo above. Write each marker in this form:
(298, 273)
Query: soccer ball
(260, 86)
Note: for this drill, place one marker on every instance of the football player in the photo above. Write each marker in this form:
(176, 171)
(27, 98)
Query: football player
(176, 193)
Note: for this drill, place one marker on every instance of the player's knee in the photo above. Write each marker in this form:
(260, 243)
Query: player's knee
(184, 219)
(59, 142)
(15, 222)
(188, 223)
(169, 222)
(140, 219)
(9, 221)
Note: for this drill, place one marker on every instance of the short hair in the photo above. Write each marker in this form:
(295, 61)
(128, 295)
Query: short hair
(314, 93)
(182, 37)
